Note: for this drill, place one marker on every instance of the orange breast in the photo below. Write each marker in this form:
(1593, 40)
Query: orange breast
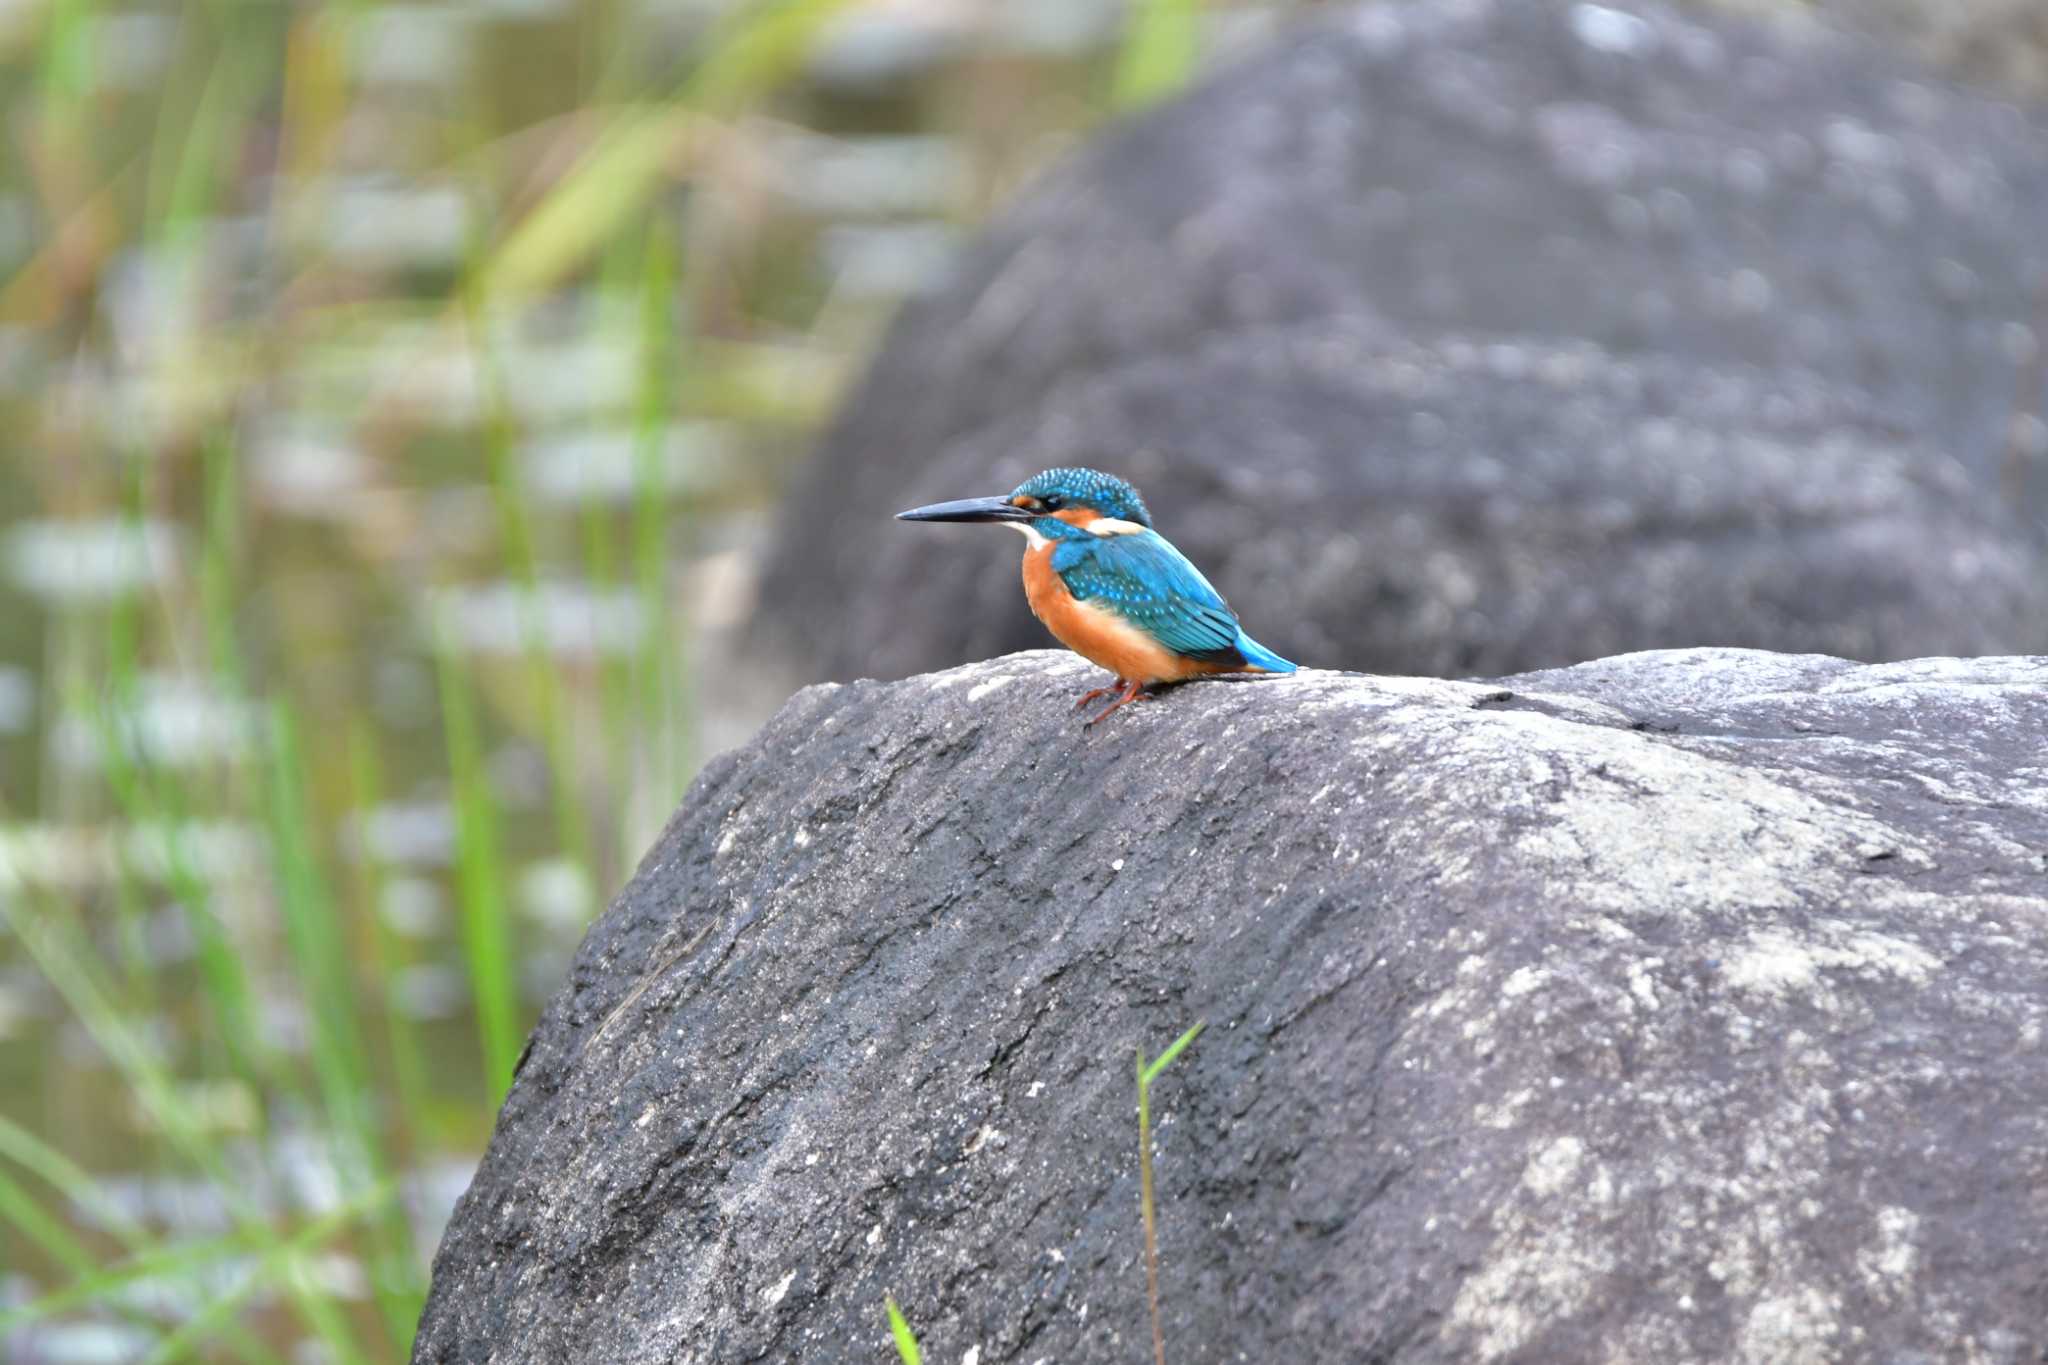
(1098, 634)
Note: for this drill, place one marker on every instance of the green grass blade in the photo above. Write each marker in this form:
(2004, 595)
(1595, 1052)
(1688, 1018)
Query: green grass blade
(66, 962)
(600, 545)
(486, 937)
(753, 50)
(319, 951)
(1165, 1059)
(389, 958)
(758, 47)
(1159, 51)
(20, 1211)
(279, 1266)
(225, 978)
(1147, 1073)
(660, 663)
(96, 1283)
(516, 526)
(587, 209)
(906, 1340)
(395, 1263)
(65, 74)
(57, 946)
(69, 1179)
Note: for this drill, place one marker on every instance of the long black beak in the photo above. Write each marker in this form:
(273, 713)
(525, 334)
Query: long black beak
(969, 509)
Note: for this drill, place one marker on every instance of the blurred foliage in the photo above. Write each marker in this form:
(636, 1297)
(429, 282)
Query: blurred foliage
(398, 395)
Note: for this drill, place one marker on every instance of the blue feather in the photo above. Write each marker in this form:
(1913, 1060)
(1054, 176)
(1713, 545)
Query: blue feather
(1149, 583)
(1258, 656)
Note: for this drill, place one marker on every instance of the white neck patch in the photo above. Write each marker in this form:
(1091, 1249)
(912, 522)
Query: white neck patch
(1112, 526)
(1032, 534)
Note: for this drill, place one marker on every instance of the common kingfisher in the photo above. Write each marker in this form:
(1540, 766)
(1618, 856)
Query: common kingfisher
(1111, 588)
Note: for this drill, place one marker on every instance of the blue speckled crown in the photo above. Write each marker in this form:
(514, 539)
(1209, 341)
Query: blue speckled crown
(1105, 493)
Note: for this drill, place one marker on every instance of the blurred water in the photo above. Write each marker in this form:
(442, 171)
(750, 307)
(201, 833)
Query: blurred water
(78, 859)
(619, 464)
(80, 1343)
(566, 618)
(407, 834)
(890, 261)
(379, 224)
(872, 176)
(89, 560)
(167, 721)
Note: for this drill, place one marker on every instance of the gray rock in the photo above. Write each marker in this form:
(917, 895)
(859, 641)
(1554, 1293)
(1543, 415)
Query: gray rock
(1700, 235)
(1680, 1006)
(1496, 505)
(2001, 43)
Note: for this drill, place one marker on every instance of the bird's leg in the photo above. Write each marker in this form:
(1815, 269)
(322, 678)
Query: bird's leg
(1087, 697)
(1132, 690)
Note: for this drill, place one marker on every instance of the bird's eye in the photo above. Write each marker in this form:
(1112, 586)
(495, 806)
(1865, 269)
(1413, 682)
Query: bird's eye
(1053, 503)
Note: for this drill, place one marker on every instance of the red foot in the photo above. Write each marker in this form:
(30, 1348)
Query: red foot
(1087, 697)
(1130, 693)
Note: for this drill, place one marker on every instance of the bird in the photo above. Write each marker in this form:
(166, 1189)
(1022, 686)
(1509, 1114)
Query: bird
(1111, 588)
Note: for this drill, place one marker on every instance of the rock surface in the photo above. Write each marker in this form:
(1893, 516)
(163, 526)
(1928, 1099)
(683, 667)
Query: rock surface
(1680, 1006)
(1440, 314)
(2002, 43)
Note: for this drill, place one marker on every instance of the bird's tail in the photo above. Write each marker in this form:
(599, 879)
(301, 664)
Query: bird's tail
(1259, 657)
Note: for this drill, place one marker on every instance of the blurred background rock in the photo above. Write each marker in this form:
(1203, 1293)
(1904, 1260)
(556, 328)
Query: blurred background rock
(1484, 338)
(1994, 43)
(397, 402)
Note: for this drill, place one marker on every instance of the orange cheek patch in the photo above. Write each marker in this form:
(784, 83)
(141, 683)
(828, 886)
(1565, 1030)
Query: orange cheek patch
(1077, 516)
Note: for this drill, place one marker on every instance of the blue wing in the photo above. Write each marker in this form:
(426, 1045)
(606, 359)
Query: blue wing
(1146, 581)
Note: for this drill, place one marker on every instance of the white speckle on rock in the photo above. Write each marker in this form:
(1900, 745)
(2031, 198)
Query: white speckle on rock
(1641, 986)
(980, 690)
(726, 840)
(973, 1356)
(802, 837)
(1775, 964)
(1610, 30)
(1887, 1266)
(1749, 291)
(1037, 1088)
(1552, 1167)
(1790, 1327)
(1521, 981)
(875, 1235)
(1540, 1271)
(773, 1294)
(987, 1134)
(1505, 1114)
(1116, 864)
